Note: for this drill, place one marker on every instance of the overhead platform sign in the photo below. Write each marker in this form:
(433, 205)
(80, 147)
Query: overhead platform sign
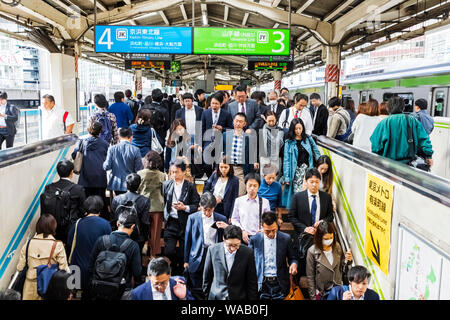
(237, 41)
(143, 39)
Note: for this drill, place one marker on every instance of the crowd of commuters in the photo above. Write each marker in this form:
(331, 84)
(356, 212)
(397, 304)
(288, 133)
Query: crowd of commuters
(225, 243)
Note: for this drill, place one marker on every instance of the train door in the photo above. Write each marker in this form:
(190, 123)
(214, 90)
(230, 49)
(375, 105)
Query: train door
(365, 96)
(439, 107)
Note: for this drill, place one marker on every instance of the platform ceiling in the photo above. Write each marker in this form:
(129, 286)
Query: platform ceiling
(355, 25)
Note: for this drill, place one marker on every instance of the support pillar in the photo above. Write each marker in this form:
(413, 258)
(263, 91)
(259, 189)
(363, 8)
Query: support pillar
(138, 82)
(277, 81)
(210, 77)
(65, 82)
(332, 71)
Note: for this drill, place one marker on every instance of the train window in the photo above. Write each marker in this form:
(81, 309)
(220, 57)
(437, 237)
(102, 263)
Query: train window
(439, 102)
(363, 97)
(408, 98)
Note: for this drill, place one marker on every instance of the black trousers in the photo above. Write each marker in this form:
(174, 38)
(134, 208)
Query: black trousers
(9, 140)
(173, 233)
(271, 290)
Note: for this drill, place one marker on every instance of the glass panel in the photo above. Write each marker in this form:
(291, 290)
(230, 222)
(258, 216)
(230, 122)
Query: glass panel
(439, 103)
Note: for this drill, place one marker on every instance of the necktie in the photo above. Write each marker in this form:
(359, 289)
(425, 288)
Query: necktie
(296, 114)
(242, 108)
(269, 144)
(164, 296)
(215, 119)
(313, 209)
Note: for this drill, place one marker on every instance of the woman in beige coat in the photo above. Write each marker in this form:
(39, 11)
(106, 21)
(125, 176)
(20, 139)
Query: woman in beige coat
(325, 262)
(38, 254)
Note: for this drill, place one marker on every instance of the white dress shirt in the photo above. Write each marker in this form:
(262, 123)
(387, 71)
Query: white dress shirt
(305, 115)
(240, 107)
(2, 120)
(246, 213)
(310, 199)
(215, 116)
(52, 122)
(219, 188)
(159, 296)
(209, 234)
(190, 120)
(175, 198)
(229, 257)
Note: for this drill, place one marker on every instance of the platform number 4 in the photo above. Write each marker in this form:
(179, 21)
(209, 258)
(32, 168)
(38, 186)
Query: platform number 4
(107, 34)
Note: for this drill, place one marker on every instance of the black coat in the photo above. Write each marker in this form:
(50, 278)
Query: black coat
(300, 213)
(231, 193)
(12, 115)
(320, 125)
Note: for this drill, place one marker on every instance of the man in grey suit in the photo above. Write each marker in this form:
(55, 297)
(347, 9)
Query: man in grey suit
(230, 272)
(249, 107)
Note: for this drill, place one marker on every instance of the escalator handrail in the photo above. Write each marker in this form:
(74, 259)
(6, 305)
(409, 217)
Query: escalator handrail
(14, 155)
(427, 184)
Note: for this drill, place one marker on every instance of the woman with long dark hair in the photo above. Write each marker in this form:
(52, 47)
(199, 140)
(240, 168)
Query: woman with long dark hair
(326, 170)
(300, 152)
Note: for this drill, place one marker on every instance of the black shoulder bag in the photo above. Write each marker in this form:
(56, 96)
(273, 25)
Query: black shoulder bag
(415, 160)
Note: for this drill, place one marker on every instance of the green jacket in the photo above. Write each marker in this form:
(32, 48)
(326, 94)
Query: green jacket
(390, 138)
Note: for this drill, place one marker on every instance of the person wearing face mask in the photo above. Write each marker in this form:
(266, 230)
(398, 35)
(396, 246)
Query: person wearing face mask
(358, 288)
(271, 142)
(325, 262)
(9, 116)
(274, 105)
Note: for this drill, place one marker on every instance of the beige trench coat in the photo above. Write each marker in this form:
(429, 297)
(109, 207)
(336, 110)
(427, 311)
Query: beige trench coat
(38, 254)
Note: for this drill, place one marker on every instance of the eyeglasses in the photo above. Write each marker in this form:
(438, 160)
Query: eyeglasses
(161, 284)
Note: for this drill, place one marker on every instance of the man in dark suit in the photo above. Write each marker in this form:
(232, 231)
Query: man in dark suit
(310, 207)
(190, 114)
(180, 200)
(140, 203)
(273, 104)
(319, 113)
(230, 272)
(247, 106)
(204, 229)
(273, 250)
(161, 286)
(359, 278)
(9, 116)
(77, 197)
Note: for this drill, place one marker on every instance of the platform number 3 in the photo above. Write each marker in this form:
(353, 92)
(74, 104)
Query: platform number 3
(107, 34)
(279, 41)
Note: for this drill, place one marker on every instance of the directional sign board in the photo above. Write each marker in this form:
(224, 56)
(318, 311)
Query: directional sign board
(234, 41)
(377, 242)
(143, 39)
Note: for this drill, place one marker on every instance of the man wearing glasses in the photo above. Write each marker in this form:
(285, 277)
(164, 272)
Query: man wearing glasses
(230, 272)
(161, 286)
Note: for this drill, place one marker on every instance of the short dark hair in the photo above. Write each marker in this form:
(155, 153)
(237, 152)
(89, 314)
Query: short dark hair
(133, 181)
(157, 95)
(291, 133)
(179, 163)
(49, 97)
(252, 176)
(118, 96)
(422, 104)
(240, 89)
(152, 160)
(188, 95)
(218, 96)
(46, 224)
(139, 96)
(128, 93)
(396, 105)
(300, 96)
(95, 129)
(57, 287)
(64, 168)
(100, 101)
(125, 133)
(232, 232)
(323, 228)
(158, 266)
(269, 217)
(334, 102)
(240, 114)
(199, 92)
(358, 274)
(93, 204)
(315, 96)
(284, 88)
(127, 217)
(9, 294)
(312, 172)
(148, 100)
(3, 95)
(208, 200)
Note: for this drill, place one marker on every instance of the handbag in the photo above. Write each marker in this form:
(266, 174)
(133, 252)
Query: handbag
(45, 272)
(417, 161)
(78, 162)
(295, 293)
(305, 240)
(156, 146)
(21, 276)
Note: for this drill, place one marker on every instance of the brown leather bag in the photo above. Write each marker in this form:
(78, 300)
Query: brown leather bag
(295, 293)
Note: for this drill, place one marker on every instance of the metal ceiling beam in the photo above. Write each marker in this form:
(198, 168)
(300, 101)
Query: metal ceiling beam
(226, 12)
(275, 3)
(163, 16)
(305, 6)
(338, 10)
(100, 5)
(204, 9)
(244, 21)
(276, 25)
(183, 12)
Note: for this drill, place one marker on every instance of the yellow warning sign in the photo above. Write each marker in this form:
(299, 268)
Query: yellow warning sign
(377, 243)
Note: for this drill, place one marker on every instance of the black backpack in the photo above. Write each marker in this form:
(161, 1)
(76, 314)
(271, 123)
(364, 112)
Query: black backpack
(57, 202)
(130, 204)
(108, 279)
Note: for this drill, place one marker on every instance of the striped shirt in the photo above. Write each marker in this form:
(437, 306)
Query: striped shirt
(111, 117)
(238, 149)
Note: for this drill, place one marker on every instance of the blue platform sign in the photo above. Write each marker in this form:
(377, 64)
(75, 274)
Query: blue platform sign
(143, 39)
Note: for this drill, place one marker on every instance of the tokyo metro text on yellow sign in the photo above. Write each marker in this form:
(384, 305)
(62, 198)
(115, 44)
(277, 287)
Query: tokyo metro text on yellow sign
(377, 242)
